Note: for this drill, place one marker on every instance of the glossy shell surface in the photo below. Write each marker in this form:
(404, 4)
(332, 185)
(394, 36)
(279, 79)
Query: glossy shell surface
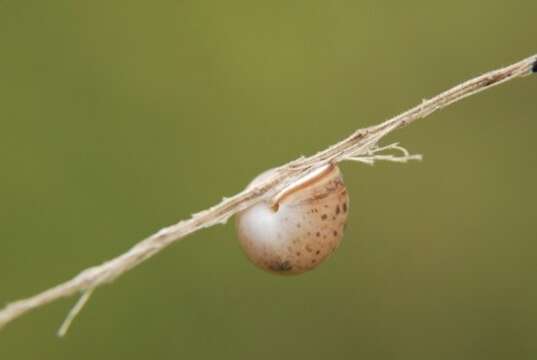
(300, 227)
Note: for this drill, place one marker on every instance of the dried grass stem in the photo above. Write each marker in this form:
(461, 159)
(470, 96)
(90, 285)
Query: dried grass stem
(362, 145)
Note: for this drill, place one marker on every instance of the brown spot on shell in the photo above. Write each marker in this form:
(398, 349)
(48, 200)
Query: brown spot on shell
(324, 217)
(280, 266)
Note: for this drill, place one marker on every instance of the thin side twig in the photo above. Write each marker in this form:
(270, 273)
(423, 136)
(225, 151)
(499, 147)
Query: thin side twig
(359, 145)
(376, 154)
(74, 312)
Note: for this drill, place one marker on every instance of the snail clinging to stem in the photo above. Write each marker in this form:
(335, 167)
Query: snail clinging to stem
(300, 226)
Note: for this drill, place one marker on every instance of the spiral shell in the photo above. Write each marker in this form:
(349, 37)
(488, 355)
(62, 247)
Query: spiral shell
(300, 227)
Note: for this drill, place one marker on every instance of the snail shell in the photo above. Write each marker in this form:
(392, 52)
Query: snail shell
(300, 226)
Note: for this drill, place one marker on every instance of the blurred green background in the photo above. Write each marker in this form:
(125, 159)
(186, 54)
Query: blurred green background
(118, 118)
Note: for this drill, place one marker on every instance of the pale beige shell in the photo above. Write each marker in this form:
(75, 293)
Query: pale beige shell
(300, 227)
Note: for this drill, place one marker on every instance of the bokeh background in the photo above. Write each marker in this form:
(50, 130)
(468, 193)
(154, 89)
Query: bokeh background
(118, 118)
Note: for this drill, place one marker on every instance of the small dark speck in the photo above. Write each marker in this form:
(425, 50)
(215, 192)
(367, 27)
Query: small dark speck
(324, 217)
(344, 207)
(489, 82)
(338, 210)
(318, 252)
(534, 68)
(281, 266)
(335, 233)
(318, 234)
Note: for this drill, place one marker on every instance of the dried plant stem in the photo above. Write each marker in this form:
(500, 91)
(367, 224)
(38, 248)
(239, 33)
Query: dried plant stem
(359, 146)
(74, 312)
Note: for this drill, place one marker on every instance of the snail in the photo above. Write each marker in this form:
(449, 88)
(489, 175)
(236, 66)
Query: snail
(300, 226)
